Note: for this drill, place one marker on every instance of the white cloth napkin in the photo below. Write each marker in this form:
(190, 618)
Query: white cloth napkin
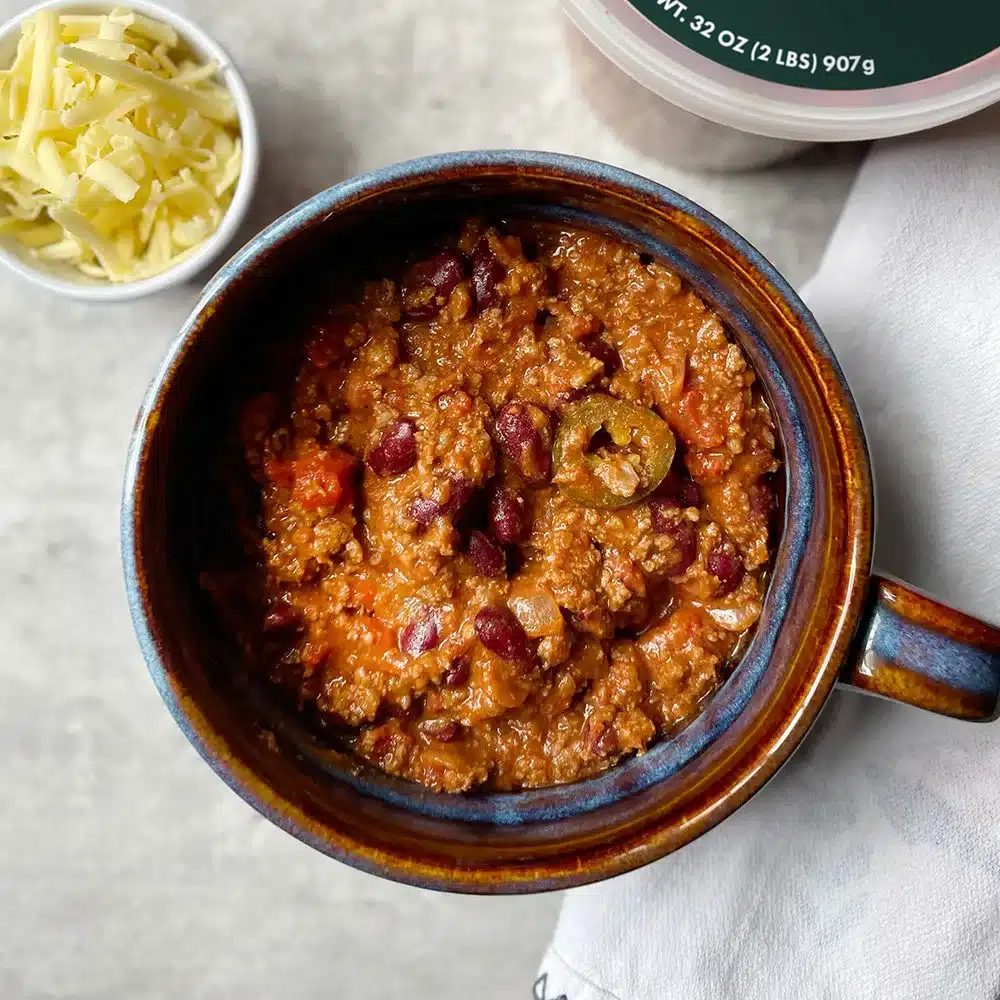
(868, 868)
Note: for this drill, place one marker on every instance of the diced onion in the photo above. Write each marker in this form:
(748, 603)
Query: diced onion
(736, 619)
(538, 614)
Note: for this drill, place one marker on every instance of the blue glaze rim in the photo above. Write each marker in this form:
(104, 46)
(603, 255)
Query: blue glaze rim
(666, 758)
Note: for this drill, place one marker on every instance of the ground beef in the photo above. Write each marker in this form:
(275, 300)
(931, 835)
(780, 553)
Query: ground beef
(430, 591)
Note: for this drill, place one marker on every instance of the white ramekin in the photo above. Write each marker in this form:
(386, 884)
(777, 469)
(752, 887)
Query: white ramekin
(62, 281)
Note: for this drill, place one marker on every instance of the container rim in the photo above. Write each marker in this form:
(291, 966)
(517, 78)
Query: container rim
(725, 96)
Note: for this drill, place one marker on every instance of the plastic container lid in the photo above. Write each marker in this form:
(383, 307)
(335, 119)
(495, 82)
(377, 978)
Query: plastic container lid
(812, 70)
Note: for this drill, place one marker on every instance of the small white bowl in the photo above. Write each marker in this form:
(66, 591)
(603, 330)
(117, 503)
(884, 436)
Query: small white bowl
(64, 281)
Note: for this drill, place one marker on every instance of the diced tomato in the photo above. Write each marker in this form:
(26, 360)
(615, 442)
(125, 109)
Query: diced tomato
(319, 479)
(366, 632)
(383, 636)
(685, 625)
(696, 423)
(363, 593)
(703, 419)
(323, 479)
(314, 653)
(709, 465)
(662, 644)
(280, 472)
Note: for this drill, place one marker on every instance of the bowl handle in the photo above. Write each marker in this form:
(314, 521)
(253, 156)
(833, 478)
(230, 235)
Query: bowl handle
(912, 649)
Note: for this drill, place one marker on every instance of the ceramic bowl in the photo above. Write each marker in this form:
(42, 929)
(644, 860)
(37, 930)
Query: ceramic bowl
(66, 281)
(825, 616)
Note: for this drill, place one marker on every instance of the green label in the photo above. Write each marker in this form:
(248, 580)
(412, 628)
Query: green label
(831, 45)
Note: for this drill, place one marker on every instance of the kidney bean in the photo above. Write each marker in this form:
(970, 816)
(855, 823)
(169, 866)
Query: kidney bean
(409, 713)
(431, 281)
(397, 449)
(725, 563)
(282, 617)
(442, 730)
(421, 634)
(676, 492)
(487, 272)
(684, 535)
(668, 521)
(508, 517)
(502, 634)
(461, 491)
(487, 557)
(606, 353)
(458, 673)
(425, 511)
(601, 739)
(326, 345)
(663, 514)
(763, 500)
(525, 437)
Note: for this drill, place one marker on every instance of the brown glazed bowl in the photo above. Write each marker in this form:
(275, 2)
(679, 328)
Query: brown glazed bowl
(825, 618)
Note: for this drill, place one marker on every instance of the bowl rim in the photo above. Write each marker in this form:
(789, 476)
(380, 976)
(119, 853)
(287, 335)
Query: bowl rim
(235, 214)
(771, 750)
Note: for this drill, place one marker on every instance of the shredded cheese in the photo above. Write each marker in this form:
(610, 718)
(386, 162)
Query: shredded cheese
(40, 83)
(119, 153)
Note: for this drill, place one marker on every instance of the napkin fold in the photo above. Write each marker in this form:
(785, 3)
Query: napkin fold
(868, 867)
